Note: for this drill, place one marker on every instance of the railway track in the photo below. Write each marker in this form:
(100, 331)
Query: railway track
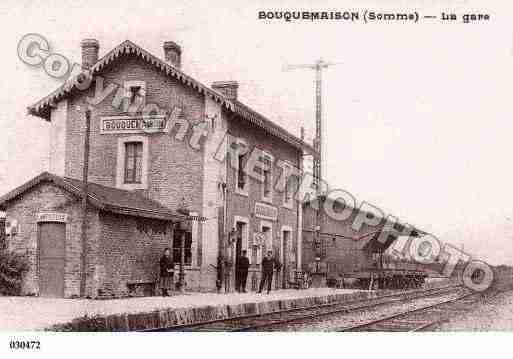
(284, 317)
(423, 318)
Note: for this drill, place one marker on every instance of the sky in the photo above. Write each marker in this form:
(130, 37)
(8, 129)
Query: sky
(417, 115)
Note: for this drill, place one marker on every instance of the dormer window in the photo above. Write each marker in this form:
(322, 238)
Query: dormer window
(135, 93)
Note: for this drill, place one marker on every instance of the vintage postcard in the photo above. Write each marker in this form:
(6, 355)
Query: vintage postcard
(254, 166)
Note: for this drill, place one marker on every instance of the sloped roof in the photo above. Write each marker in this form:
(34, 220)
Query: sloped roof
(259, 120)
(42, 107)
(369, 240)
(104, 198)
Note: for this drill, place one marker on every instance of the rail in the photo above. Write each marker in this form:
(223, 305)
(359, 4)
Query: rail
(420, 319)
(283, 317)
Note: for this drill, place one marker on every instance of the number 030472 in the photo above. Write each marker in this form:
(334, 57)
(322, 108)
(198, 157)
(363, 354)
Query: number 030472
(25, 344)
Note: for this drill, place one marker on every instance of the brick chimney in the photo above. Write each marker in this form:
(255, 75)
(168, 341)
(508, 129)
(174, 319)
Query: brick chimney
(90, 49)
(173, 53)
(227, 88)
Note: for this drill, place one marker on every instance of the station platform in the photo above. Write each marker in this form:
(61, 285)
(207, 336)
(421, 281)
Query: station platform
(146, 313)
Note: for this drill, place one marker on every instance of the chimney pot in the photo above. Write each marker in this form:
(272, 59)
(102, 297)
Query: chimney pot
(90, 49)
(228, 88)
(173, 53)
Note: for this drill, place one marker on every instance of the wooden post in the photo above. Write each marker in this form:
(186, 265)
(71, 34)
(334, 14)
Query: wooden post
(220, 253)
(172, 237)
(230, 259)
(182, 263)
(83, 241)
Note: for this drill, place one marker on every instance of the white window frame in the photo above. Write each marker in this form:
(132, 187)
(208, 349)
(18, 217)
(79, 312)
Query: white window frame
(285, 229)
(269, 198)
(258, 255)
(132, 83)
(245, 234)
(120, 163)
(288, 204)
(241, 191)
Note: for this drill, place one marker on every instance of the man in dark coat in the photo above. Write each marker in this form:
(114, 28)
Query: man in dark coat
(166, 272)
(242, 272)
(268, 265)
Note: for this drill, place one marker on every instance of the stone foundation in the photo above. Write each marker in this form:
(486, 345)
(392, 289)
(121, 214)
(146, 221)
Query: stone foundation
(175, 317)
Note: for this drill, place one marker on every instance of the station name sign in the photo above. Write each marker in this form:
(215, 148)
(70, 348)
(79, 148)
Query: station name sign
(266, 211)
(52, 217)
(126, 124)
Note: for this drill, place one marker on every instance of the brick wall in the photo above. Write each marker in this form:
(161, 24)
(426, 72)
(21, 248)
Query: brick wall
(128, 254)
(174, 167)
(239, 205)
(117, 251)
(47, 197)
(176, 171)
(58, 124)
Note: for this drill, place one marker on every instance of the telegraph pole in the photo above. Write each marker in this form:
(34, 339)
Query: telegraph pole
(318, 142)
(319, 128)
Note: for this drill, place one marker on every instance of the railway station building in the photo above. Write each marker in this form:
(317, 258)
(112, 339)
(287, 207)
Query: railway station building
(153, 176)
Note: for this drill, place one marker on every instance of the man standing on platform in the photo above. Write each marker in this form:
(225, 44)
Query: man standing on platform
(268, 265)
(166, 272)
(242, 272)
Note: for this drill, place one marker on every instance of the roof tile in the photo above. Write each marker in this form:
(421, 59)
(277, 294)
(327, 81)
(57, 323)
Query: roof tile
(42, 107)
(102, 197)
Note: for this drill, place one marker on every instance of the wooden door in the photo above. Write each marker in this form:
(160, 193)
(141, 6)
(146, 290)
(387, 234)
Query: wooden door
(51, 259)
(238, 242)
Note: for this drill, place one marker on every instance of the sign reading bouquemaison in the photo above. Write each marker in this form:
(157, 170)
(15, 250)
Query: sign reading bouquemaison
(266, 211)
(52, 217)
(125, 124)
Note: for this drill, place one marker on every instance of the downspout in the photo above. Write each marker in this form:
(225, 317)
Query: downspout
(223, 241)
(299, 203)
(83, 239)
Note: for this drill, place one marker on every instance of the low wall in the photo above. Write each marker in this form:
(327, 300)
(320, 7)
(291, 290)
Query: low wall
(171, 317)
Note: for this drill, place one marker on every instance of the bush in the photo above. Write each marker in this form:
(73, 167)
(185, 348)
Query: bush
(12, 269)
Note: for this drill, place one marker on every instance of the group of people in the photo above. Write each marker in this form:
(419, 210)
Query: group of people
(269, 264)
